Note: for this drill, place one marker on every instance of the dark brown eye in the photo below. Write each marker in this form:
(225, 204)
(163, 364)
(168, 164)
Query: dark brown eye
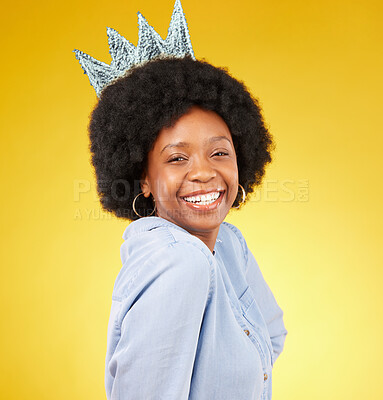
(179, 158)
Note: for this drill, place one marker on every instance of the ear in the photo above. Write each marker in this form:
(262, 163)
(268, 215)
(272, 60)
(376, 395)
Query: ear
(145, 185)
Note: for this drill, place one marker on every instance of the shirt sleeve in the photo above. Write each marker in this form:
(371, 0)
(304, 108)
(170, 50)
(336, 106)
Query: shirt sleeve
(271, 311)
(157, 326)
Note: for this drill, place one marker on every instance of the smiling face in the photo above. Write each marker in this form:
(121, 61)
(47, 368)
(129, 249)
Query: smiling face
(192, 173)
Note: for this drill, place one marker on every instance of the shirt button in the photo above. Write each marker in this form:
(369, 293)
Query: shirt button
(265, 377)
(247, 332)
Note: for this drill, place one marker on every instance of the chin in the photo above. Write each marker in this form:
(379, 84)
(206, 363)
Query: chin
(202, 222)
(196, 220)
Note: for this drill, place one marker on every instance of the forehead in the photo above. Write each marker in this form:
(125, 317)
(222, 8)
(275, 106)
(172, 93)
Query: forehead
(196, 127)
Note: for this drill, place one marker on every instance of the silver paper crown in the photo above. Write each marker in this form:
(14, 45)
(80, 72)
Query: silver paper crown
(125, 55)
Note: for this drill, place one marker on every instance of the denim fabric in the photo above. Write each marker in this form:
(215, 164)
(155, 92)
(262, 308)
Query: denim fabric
(186, 323)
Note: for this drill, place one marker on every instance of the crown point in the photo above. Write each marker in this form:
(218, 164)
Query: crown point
(141, 19)
(177, 7)
(111, 32)
(125, 54)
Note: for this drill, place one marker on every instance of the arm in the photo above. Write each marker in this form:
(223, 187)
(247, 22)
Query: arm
(159, 323)
(272, 313)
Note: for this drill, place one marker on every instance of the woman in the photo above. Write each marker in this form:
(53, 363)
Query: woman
(176, 144)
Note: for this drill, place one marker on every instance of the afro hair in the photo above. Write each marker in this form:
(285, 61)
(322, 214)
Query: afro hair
(134, 108)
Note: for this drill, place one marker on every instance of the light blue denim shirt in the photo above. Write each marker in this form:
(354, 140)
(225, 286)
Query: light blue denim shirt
(186, 323)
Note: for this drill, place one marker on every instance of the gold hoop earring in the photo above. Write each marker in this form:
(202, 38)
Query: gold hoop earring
(134, 208)
(243, 196)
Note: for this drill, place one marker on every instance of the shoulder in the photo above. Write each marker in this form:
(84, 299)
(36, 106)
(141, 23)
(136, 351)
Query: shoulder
(158, 254)
(162, 239)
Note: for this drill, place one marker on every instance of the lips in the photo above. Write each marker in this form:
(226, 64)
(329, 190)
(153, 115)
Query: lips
(201, 192)
(203, 207)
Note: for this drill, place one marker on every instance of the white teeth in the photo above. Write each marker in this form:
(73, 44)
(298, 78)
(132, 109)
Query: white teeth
(203, 199)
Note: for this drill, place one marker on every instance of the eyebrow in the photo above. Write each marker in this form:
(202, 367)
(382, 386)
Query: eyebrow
(185, 144)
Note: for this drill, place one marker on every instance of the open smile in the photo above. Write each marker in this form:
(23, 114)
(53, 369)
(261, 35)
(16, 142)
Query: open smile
(205, 202)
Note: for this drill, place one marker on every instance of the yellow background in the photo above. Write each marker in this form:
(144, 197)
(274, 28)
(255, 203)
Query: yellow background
(315, 227)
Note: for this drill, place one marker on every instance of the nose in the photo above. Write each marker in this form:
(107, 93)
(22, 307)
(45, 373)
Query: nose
(201, 170)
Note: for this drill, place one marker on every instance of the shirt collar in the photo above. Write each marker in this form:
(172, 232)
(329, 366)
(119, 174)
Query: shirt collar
(148, 223)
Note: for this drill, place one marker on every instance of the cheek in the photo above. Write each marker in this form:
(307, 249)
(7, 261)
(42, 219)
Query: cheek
(232, 172)
(232, 177)
(167, 185)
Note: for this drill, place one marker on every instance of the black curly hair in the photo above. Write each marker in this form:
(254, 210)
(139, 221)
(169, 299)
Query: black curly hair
(134, 108)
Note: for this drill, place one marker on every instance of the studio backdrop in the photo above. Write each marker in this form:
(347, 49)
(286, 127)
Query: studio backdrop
(314, 225)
